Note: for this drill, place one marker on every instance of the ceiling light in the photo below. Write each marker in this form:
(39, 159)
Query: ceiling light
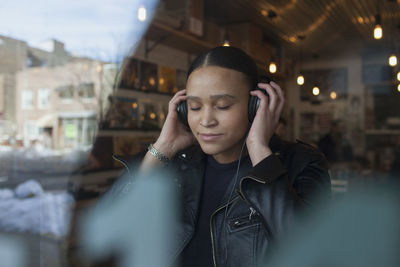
(300, 79)
(378, 32)
(392, 60)
(142, 13)
(226, 39)
(272, 67)
(315, 90)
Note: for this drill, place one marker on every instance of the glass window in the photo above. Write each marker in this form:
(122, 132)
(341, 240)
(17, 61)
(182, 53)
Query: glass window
(44, 98)
(27, 99)
(86, 90)
(65, 92)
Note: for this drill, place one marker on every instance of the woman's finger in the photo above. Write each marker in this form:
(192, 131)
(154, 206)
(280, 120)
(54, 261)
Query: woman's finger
(281, 101)
(263, 98)
(179, 96)
(273, 98)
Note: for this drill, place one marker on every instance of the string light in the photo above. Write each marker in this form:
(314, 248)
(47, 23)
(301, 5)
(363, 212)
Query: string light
(398, 87)
(272, 67)
(300, 79)
(398, 76)
(378, 32)
(333, 95)
(142, 13)
(392, 60)
(315, 90)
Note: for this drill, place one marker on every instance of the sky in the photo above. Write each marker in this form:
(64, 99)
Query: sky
(101, 29)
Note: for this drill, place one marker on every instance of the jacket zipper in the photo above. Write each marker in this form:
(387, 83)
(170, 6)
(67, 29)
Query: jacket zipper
(211, 231)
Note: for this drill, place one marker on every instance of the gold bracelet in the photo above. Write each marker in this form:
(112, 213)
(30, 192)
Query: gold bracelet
(160, 156)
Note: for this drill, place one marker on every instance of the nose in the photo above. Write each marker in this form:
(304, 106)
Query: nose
(208, 118)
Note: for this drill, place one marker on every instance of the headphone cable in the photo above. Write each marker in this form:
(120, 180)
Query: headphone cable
(230, 196)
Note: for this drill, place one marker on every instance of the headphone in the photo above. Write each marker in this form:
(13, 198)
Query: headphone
(254, 103)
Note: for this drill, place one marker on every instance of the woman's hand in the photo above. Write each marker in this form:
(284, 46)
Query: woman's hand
(265, 121)
(174, 136)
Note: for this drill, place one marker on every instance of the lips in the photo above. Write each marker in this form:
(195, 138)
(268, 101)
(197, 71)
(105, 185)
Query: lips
(210, 137)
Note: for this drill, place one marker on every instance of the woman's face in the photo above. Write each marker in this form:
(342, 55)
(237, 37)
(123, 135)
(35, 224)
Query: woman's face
(217, 110)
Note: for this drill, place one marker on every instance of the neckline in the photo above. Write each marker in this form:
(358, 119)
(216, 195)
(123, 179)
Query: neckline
(216, 165)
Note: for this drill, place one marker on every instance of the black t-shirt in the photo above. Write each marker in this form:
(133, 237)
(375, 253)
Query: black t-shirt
(216, 181)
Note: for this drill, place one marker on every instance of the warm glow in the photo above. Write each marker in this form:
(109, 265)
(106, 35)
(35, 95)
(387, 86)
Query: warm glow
(360, 19)
(272, 67)
(264, 12)
(152, 115)
(152, 81)
(398, 87)
(134, 105)
(315, 90)
(333, 95)
(293, 39)
(162, 81)
(142, 13)
(398, 76)
(226, 43)
(162, 116)
(378, 33)
(300, 79)
(393, 60)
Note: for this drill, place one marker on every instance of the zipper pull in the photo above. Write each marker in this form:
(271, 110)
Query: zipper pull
(252, 212)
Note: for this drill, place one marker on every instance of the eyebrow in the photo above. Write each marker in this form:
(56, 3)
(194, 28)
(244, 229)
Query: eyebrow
(212, 97)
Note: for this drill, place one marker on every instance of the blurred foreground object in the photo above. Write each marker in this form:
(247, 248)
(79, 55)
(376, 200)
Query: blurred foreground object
(358, 230)
(12, 252)
(135, 227)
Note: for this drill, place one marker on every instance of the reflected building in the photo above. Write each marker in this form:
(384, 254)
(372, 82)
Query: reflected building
(51, 96)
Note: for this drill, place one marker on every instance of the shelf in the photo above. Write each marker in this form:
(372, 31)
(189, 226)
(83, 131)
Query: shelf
(128, 132)
(177, 39)
(130, 93)
(382, 132)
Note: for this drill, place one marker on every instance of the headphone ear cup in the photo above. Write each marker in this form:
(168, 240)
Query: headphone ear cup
(254, 103)
(182, 112)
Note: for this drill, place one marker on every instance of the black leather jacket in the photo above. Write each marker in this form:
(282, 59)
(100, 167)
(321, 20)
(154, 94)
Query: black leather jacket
(264, 205)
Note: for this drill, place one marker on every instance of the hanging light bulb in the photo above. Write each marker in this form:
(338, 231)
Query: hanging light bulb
(272, 67)
(142, 13)
(315, 90)
(333, 95)
(392, 60)
(300, 79)
(226, 39)
(398, 76)
(378, 32)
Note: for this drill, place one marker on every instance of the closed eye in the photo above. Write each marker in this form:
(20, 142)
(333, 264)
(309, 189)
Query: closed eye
(195, 109)
(224, 107)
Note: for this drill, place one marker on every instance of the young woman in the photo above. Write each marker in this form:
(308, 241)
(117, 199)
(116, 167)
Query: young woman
(241, 186)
